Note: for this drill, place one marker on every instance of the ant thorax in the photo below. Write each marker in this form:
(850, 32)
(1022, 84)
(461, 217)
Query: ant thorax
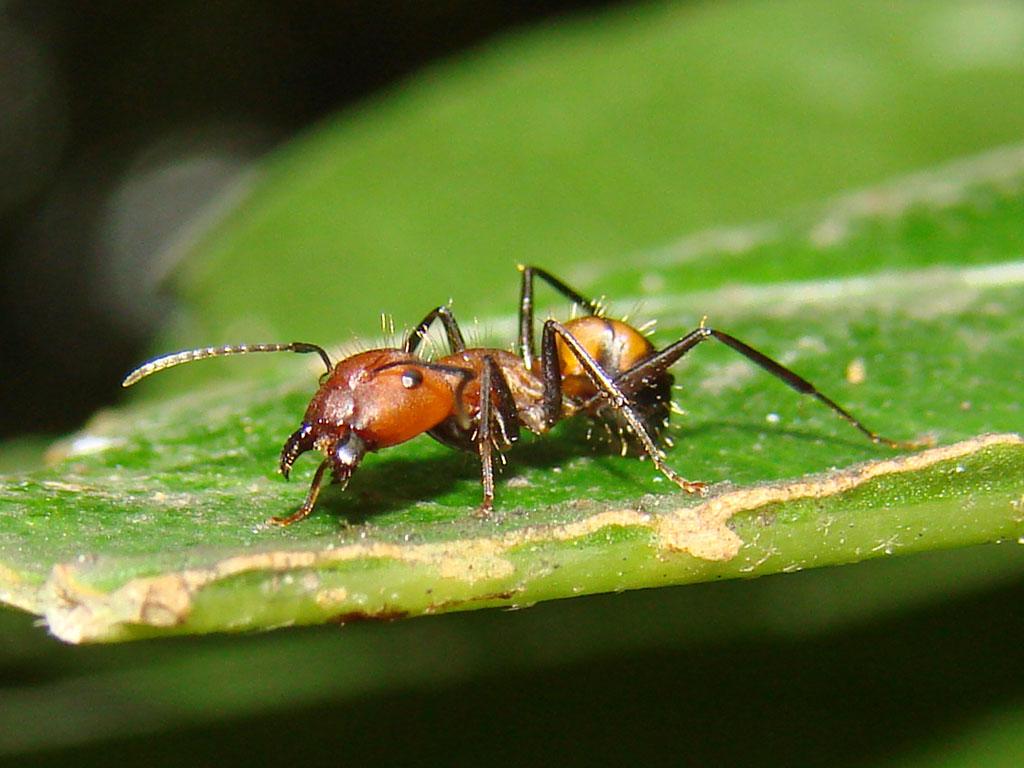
(524, 388)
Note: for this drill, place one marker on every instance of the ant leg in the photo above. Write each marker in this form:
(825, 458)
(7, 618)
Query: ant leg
(307, 506)
(526, 306)
(484, 445)
(609, 390)
(660, 361)
(507, 414)
(451, 329)
(496, 405)
(457, 344)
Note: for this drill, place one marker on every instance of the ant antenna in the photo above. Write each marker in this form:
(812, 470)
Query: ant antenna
(191, 355)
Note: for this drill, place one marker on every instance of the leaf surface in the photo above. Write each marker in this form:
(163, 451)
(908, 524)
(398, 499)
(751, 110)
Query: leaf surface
(152, 520)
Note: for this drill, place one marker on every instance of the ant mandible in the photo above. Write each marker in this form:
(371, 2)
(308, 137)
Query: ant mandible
(477, 398)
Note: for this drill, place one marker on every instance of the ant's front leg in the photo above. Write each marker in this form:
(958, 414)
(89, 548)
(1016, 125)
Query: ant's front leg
(451, 329)
(456, 343)
(660, 362)
(307, 506)
(608, 388)
(497, 408)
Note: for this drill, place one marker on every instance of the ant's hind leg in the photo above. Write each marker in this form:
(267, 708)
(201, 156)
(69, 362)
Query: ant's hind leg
(660, 361)
(451, 329)
(609, 390)
(805, 387)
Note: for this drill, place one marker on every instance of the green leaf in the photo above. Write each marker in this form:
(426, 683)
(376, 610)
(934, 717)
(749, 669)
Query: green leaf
(901, 303)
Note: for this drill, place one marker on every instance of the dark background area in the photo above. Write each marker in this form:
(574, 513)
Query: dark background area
(122, 122)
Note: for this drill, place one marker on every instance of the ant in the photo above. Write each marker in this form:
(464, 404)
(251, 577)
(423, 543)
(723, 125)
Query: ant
(476, 399)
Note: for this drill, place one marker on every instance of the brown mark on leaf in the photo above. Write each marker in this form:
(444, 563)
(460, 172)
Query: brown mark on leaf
(353, 617)
(490, 597)
(78, 612)
(856, 371)
(17, 591)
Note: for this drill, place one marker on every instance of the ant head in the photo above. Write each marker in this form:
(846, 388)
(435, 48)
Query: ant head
(374, 400)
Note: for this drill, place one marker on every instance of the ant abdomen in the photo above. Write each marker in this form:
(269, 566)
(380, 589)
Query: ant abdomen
(613, 344)
(617, 347)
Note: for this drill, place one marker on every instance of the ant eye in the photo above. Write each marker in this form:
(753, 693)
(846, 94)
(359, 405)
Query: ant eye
(411, 378)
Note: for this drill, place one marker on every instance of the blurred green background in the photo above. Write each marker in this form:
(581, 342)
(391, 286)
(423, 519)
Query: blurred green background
(571, 139)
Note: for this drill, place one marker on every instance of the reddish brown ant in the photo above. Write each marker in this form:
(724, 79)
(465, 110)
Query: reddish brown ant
(477, 399)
